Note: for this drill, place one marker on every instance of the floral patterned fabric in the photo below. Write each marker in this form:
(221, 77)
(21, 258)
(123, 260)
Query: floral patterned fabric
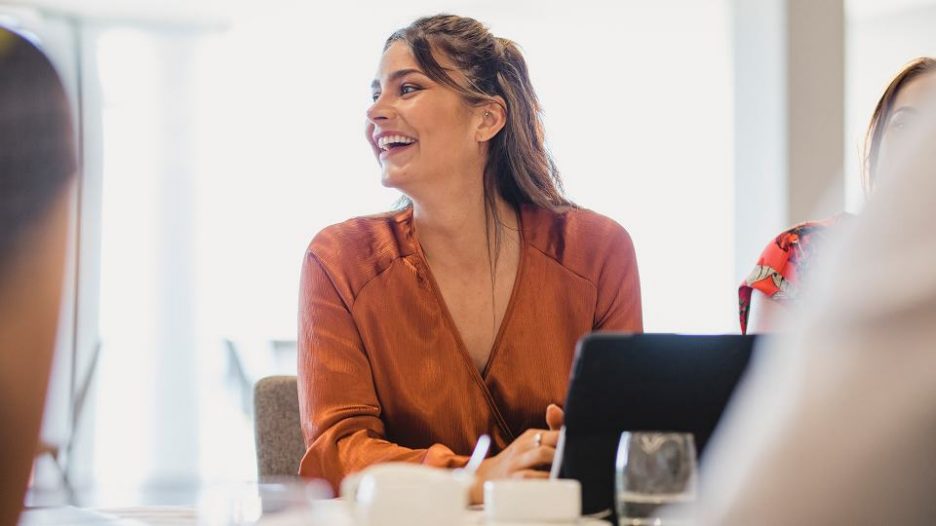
(779, 269)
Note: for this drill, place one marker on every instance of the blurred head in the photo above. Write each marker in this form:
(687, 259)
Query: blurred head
(37, 163)
(898, 111)
(450, 96)
(37, 154)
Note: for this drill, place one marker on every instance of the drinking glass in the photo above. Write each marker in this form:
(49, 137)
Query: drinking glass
(653, 470)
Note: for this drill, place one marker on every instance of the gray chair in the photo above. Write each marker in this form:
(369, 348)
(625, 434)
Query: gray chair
(280, 445)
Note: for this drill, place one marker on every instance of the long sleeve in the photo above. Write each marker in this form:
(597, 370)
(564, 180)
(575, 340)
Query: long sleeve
(340, 410)
(619, 304)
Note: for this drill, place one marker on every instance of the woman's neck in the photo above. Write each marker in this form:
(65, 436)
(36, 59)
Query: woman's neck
(459, 228)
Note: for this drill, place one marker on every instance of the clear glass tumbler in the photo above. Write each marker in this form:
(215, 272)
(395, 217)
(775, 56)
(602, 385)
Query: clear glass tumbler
(654, 470)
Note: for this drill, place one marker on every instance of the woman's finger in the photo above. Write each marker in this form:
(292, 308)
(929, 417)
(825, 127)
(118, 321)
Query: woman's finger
(555, 417)
(541, 456)
(534, 438)
(550, 438)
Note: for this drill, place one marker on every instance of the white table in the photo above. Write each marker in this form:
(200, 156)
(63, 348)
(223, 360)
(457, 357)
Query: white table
(330, 513)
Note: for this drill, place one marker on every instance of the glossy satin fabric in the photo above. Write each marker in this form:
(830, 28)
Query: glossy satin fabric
(383, 373)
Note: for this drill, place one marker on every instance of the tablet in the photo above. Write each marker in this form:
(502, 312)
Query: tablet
(643, 382)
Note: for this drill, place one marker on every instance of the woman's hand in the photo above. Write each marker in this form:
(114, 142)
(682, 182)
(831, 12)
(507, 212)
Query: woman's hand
(526, 457)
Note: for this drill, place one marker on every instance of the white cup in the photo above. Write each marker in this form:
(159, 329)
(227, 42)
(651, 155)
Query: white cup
(553, 500)
(403, 494)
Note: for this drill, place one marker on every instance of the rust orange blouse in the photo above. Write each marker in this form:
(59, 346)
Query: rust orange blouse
(383, 373)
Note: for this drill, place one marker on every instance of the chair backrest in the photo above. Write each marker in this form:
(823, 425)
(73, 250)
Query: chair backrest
(277, 430)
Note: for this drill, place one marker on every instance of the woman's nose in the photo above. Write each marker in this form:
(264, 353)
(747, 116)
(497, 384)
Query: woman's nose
(379, 111)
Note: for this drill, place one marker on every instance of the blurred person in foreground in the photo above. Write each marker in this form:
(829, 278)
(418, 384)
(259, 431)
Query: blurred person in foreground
(37, 165)
(836, 423)
(773, 286)
(456, 315)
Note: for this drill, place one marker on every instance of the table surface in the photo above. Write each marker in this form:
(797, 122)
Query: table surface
(331, 513)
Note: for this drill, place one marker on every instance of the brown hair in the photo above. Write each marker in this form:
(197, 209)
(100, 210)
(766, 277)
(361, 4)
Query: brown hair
(882, 112)
(519, 167)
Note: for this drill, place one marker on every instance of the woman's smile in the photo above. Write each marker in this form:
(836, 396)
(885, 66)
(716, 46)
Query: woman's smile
(392, 143)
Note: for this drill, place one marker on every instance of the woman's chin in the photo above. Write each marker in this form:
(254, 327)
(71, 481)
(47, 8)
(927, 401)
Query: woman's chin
(392, 179)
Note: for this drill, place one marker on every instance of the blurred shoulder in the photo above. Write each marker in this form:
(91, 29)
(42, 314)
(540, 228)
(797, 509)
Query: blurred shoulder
(790, 254)
(800, 240)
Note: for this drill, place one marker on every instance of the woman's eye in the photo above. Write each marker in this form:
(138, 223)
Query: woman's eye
(375, 96)
(901, 123)
(904, 121)
(408, 88)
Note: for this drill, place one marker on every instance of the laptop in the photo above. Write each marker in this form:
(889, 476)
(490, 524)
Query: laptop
(643, 382)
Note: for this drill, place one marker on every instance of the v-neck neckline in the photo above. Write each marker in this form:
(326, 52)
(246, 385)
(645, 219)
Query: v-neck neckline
(447, 314)
(480, 376)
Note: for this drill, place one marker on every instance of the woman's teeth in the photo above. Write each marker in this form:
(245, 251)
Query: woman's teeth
(390, 141)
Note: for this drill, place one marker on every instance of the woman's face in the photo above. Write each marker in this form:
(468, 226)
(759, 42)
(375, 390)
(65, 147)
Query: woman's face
(914, 105)
(421, 131)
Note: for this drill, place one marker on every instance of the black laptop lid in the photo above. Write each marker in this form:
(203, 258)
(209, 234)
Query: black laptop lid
(643, 382)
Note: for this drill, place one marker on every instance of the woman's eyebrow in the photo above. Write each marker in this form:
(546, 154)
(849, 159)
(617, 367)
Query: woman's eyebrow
(903, 109)
(909, 110)
(395, 76)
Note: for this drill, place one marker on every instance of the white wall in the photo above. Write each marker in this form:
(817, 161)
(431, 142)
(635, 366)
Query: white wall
(789, 117)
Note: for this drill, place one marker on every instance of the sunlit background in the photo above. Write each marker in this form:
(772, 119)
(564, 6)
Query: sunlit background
(220, 138)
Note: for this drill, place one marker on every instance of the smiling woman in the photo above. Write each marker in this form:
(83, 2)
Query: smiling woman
(456, 315)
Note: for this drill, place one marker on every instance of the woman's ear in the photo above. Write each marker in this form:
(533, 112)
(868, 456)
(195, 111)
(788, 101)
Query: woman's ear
(493, 117)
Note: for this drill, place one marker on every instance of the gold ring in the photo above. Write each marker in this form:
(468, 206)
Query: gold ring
(538, 439)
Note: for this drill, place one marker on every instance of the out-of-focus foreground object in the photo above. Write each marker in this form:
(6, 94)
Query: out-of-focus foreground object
(37, 162)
